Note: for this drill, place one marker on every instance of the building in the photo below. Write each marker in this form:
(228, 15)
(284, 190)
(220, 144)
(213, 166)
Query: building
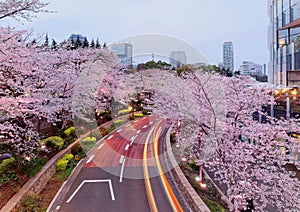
(123, 51)
(284, 42)
(178, 58)
(228, 61)
(251, 68)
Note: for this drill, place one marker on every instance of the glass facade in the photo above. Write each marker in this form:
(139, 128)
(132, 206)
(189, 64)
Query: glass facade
(285, 42)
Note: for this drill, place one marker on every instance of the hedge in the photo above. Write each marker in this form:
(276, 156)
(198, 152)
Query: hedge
(124, 111)
(61, 165)
(138, 115)
(70, 132)
(54, 141)
(7, 164)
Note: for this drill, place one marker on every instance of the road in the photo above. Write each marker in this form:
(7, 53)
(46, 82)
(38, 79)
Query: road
(126, 172)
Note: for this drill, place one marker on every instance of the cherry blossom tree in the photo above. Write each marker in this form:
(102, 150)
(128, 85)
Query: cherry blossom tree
(219, 126)
(21, 9)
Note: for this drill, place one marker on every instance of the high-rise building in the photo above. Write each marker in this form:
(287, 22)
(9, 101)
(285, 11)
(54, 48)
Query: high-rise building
(284, 42)
(123, 51)
(228, 61)
(178, 58)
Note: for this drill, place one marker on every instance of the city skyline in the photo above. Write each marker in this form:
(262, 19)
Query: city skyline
(194, 22)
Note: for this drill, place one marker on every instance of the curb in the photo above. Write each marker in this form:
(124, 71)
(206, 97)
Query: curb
(191, 196)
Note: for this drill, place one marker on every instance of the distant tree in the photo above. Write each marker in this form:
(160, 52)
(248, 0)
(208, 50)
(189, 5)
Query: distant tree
(78, 43)
(98, 46)
(104, 46)
(46, 43)
(85, 43)
(54, 44)
(92, 44)
(140, 66)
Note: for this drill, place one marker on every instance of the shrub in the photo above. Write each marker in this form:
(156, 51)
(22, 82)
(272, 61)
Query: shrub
(123, 112)
(61, 165)
(88, 142)
(30, 203)
(70, 132)
(172, 138)
(103, 131)
(76, 149)
(138, 115)
(35, 165)
(118, 122)
(213, 206)
(194, 166)
(7, 164)
(54, 141)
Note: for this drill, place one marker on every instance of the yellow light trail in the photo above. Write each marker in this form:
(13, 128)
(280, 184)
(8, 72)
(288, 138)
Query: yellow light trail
(171, 196)
(149, 191)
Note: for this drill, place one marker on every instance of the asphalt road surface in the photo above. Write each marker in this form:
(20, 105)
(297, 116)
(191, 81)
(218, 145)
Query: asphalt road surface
(126, 172)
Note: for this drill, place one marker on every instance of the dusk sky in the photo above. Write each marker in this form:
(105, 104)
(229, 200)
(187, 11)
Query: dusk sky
(203, 24)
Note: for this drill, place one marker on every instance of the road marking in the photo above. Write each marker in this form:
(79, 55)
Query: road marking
(122, 170)
(110, 137)
(145, 126)
(127, 125)
(170, 194)
(121, 159)
(138, 131)
(149, 191)
(127, 146)
(57, 208)
(119, 130)
(132, 138)
(94, 181)
(90, 159)
(151, 122)
(100, 146)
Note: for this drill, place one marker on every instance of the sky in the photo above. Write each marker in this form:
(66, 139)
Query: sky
(203, 24)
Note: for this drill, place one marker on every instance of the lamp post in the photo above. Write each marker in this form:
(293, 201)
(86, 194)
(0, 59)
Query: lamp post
(131, 110)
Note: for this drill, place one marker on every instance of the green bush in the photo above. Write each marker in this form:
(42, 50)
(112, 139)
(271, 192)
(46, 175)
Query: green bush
(88, 143)
(118, 122)
(8, 176)
(35, 165)
(70, 132)
(7, 164)
(213, 206)
(30, 203)
(138, 115)
(194, 166)
(54, 141)
(123, 112)
(172, 138)
(61, 165)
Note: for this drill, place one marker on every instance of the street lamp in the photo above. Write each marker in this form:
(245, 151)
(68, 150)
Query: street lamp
(131, 110)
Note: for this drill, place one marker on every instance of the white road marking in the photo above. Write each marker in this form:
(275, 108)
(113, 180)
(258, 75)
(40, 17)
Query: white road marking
(90, 159)
(57, 208)
(138, 131)
(110, 137)
(132, 138)
(119, 130)
(127, 146)
(145, 126)
(127, 125)
(100, 146)
(151, 122)
(94, 181)
(121, 159)
(122, 170)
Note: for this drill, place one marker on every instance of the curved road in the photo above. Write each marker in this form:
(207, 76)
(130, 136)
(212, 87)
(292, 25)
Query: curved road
(125, 173)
